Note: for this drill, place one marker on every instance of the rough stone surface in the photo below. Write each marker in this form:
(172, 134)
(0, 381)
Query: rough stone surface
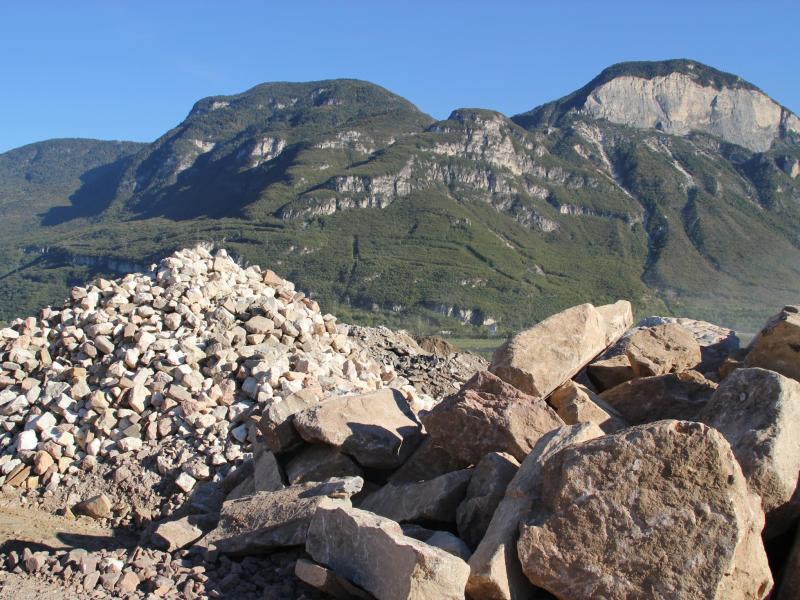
(661, 349)
(327, 581)
(777, 346)
(318, 463)
(495, 571)
(445, 540)
(276, 422)
(672, 396)
(489, 415)
(677, 103)
(575, 404)
(649, 526)
(427, 462)
(268, 520)
(606, 373)
(543, 357)
(177, 534)
(267, 476)
(758, 412)
(377, 429)
(372, 552)
(486, 488)
(434, 500)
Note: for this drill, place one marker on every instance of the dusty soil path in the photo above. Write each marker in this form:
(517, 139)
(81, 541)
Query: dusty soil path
(34, 528)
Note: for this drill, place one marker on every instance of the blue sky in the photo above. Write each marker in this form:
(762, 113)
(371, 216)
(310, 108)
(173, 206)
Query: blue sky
(131, 70)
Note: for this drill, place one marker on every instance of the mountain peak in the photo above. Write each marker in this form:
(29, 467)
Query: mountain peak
(678, 97)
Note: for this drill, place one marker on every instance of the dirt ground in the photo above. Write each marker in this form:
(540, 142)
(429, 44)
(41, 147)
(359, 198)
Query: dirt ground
(31, 527)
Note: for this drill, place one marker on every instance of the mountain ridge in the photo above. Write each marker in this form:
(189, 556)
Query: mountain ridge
(389, 214)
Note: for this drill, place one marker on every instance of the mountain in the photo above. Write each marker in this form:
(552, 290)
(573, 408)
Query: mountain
(669, 183)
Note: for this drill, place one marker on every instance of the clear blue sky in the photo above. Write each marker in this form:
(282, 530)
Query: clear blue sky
(131, 70)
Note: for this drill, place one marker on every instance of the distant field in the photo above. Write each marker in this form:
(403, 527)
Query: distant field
(481, 346)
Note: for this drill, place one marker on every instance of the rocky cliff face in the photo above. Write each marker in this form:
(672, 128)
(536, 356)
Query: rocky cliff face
(677, 104)
(689, 97)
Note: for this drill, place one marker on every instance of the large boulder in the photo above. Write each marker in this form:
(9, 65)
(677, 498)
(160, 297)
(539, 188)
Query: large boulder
(435, 500)
(661, 349)
(716, 342)
(268, 520)
(495, 571)
(372, 552)
(486, 489)
(576, 403)
(658, 511)
(672, 396)
(777, 346)
(489, 415)
(378, 429)
(758, 412)
(613, 366)
(543, 357)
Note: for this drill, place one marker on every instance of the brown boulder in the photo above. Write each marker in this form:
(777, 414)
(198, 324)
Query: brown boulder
(486, 489)
(575, 403)
(435, 500)
(327, 581)
(372, 552)
(489, 415)
(378, 429)
(543, 357)
(662, 349)
(657, 511)
(97, 507)
(777, 346)
(495, 571)
(318, 463)
(758, 412)
(606, 373)
(275, 424)
(673, 396)
(268, 520)
(177, 534)
(427, 462)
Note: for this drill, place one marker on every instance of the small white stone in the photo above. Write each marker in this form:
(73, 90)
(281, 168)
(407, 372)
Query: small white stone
(93, 447)
(185, 482)
(45, 422)
(27, 440)
(129, 444)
